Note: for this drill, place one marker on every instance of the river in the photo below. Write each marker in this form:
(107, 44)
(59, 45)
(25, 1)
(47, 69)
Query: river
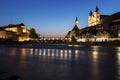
(61, 63)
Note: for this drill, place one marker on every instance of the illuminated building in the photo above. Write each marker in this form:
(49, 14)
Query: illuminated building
(74, 31)
(94, 19)
(11, 31)
(8, 35)
(101, 28)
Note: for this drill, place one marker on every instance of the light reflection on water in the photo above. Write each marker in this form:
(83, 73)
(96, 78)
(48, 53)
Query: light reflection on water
(95, 56)
(62, 54)
(95, 53)
(118, 62)
(79, 63)
(95, 62)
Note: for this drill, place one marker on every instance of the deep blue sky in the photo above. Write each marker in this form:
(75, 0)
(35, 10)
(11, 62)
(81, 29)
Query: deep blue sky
(52, 17)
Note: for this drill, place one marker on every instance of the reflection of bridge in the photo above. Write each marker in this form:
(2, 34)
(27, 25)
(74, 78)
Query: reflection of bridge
(62, 54)
(52, 40)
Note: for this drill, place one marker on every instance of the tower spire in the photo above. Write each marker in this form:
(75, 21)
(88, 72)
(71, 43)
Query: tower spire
(76, 22)
(90, 14)
(97, 9)
(76, 19)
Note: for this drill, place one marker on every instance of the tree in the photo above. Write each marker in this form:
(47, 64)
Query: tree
(33, 33)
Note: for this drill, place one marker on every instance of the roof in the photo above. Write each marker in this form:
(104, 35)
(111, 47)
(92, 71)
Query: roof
(94, 31)
(115, 23)
(111, 18)
(8, 31)
(76, 29)
(12, 25)
(104, 16)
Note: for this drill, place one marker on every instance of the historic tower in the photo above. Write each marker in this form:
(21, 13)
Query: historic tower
(76, 27)
(96, 16)
(90, 19)
(94, 19)
(76, 22)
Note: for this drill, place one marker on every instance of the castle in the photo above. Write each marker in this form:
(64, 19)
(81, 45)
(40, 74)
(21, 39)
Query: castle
(100, 28)
(11, 32)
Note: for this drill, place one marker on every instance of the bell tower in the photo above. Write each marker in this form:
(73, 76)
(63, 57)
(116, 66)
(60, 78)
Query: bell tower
(96, 16)
(76, 22)
(90, 19)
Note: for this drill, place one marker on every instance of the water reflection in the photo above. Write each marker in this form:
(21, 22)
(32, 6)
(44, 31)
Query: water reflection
(95, 63)
(118, 61)
(86, 63)
(118, 58)
(95, 53)
(95, 48)
(31, 51)
(118, 49)
(13, 51)
(62, 54)
(23, 52)
(95, 56)
(76, 54)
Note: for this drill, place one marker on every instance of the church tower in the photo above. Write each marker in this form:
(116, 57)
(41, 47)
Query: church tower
(74, 32)
(94, 19)
(96, 16)
(90, 19)
(76, 27)
(76, 22)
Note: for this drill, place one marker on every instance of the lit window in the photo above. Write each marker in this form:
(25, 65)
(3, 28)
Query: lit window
(24, 30)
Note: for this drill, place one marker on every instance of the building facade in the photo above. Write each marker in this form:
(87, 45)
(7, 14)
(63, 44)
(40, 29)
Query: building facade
(17, 32)
(75, 30)
(101, 28)
(9, 35)
(94, 19)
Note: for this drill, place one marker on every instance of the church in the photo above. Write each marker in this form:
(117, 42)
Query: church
(101, 28)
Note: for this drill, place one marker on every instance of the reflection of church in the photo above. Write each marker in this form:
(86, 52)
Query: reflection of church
(100, 28)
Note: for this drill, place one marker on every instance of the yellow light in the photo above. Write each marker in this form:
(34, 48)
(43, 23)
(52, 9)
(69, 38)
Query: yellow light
(119, 34)
(95, 56)
(95, 48)
(40, 52)
(76, 54)
(23, 51)
(69, 51)
(65, 51)
(118, 56)
(24, 30)
(118, 49)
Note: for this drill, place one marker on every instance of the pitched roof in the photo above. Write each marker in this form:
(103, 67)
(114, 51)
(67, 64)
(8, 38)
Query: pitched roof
(104, 16)
(12, 25)
(111, 18)
(76, 29)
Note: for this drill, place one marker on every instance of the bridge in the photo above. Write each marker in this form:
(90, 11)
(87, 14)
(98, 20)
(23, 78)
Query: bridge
(51, 40)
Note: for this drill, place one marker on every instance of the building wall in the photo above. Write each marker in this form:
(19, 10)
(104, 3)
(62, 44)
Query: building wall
(8, 35)
(21, 31)
(94, 19)
(13, 29)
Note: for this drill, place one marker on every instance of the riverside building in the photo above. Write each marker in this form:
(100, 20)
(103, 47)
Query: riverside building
(13, 32)
(101, 28)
